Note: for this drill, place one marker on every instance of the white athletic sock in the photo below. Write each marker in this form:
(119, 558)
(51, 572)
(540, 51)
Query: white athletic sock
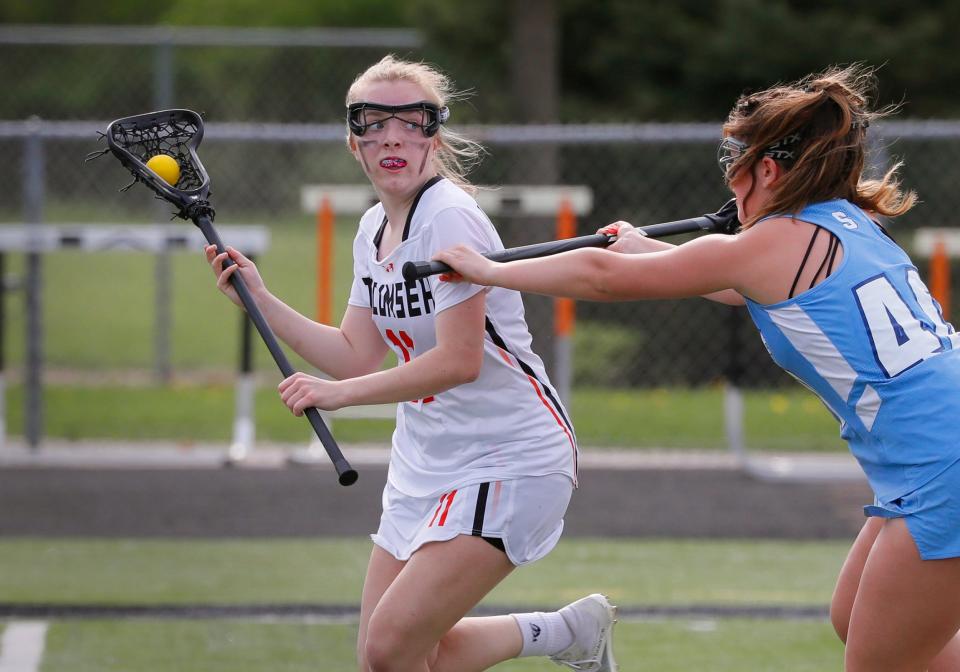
(544, 634)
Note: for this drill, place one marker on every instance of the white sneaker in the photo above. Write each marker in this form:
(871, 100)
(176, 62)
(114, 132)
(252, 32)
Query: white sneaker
(591, 619)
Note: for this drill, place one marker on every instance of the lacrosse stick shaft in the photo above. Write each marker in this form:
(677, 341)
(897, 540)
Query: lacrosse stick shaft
(413, 270)
(345, 473)
(421, 269)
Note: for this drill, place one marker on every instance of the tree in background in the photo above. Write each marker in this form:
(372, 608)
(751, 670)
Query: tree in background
(644, 60)
(619, 60)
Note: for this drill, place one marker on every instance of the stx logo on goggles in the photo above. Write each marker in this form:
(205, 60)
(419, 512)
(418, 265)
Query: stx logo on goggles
(731, 149)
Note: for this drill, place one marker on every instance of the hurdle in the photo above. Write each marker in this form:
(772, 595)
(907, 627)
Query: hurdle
(939, 245)
(37, 239)
(565, 202)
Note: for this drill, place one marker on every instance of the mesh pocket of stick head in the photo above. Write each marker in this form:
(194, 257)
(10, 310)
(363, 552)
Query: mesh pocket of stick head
(176, 133)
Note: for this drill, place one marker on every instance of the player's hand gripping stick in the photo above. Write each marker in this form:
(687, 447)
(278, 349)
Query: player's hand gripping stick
(723, 220)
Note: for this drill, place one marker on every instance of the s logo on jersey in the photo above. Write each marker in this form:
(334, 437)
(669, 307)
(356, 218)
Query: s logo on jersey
(844, 219)
(400, 299)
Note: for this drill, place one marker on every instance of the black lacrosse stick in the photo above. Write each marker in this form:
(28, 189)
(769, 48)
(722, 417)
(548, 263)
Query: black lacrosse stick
(177, 133)
(723, 220)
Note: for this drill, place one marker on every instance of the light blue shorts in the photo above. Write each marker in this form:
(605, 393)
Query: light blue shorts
(932, 514)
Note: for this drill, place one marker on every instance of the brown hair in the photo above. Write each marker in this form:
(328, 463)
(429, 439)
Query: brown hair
(456, 154)
(830, 112)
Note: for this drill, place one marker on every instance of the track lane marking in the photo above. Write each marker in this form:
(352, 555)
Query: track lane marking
(22, 645)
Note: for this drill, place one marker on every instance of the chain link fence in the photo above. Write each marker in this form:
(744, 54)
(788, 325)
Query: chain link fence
(273, 116)
(230, 74)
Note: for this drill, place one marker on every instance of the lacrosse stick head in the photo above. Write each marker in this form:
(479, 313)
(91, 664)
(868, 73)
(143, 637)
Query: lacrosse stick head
(726, 219)
(176, 133)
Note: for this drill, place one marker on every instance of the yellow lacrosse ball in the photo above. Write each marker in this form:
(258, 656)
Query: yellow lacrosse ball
(166, 168)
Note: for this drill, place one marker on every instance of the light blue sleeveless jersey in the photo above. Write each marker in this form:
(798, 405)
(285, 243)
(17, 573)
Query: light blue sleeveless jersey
(873, 344)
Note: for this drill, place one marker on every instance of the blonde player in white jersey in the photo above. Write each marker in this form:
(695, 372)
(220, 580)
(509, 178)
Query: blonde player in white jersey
(484, 458)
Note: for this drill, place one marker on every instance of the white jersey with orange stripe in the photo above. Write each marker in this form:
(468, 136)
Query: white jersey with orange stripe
(506, 424)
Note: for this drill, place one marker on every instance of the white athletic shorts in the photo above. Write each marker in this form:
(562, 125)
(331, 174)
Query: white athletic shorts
(525, 514)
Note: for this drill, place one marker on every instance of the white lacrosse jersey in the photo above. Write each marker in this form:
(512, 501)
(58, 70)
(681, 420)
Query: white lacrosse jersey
(506, 424)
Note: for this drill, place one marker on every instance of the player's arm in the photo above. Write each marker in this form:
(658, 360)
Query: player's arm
(702, 266)
(456, 359)
(631, 240)
(354, 349)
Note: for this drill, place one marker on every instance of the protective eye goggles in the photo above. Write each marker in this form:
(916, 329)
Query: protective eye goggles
(362, 117)
(731, 149)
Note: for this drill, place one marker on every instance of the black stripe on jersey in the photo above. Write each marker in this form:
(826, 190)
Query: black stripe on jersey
(499, 342)
(416, 199)
(379, 237)
(481, 509)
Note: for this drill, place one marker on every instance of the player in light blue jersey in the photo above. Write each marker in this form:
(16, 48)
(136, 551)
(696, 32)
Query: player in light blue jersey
(842, 308)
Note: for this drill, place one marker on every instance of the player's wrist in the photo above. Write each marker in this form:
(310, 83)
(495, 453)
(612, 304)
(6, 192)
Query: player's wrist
(260, 292)
(491, 273)
(345, 393)
(263, 298)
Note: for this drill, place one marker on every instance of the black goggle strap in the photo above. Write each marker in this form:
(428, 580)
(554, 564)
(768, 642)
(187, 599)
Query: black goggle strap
(432, 115)
(784, 149)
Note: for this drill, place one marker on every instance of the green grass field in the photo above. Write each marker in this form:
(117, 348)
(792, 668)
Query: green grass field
(633, 573)
(241, 646)
(79, 571)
